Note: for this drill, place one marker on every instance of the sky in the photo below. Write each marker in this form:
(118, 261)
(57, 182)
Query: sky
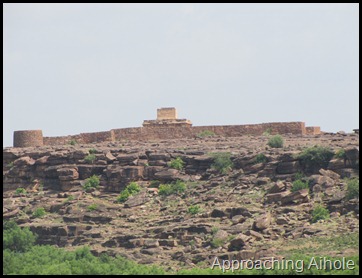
(74, 68)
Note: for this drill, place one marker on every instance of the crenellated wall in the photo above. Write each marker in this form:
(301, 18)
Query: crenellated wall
(160, 132)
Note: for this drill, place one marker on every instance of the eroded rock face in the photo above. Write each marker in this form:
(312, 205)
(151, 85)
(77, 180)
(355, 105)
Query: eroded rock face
(241, 213)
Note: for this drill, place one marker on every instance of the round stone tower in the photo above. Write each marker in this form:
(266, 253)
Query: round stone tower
(28, 138)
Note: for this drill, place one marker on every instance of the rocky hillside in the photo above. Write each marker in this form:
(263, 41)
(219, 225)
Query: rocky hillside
(251, 211)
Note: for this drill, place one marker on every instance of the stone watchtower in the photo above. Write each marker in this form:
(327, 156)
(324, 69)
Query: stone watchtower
(28, 138)
(167, 116)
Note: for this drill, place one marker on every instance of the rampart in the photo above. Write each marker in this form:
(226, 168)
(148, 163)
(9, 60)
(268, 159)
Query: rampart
(161, 129)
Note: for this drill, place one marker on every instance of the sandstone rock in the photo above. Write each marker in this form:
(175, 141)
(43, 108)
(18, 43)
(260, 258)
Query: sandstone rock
(136, 200)
(329, 173)
(279, 186)
(238, 242)
(238, 219)
(262, 222)
(275, 197)
(288, 167)
(167, 175)
(300, 196)
(24, 161)
(110, 157)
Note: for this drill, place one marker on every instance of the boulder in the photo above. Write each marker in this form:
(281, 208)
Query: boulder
(262, 222)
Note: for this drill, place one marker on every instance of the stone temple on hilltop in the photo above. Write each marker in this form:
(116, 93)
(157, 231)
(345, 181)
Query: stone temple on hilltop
(167, 116)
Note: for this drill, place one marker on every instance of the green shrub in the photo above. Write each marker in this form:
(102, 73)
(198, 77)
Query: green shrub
(173, 188)
(222, 162)
(92, 207)
(194, 209)
(92, 151)
(15, 238)
(154, 184)
(20, 190)
(206, 133)
(217, 242)
(260, 158)
(90, 158)
(70, 198)
(319, 213)
(299, 176)
(314, 158)
(177, 163)
(39, 212)
(341, 153)
(10, 165)
(130, 189)
(298, 185)
(352, 188)
(73, 142)
(276, 141)
(92, 182)
(267, 132)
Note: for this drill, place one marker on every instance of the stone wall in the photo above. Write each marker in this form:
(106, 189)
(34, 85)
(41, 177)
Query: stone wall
(160, 132)
(166, 114)
(28, 138)
(313, 130)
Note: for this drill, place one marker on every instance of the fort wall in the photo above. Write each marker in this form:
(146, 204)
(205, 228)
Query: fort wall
(164, 132)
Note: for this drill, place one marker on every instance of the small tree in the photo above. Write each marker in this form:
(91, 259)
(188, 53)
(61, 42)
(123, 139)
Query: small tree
(194, 209)
(222, 162)
(17, 239)
(130, 189)
(314, 158)
(298, 185)
(276, 141)
(319, 213)
(260, 158)
(39, 212)
(90, 158)
(352, 189)
(92, 182)
(177, 163)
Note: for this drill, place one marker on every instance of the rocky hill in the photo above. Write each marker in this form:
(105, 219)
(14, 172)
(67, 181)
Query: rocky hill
(249, 212)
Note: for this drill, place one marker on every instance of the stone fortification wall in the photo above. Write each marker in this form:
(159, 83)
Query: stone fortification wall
(313, 130)
(28, 138)
(157, 132)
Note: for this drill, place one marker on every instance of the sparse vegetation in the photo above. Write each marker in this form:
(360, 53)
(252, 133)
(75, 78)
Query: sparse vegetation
(276, 141)
(352, 188)
(20, 190)
(73, 142)
(39, 212)
(130, 189)
(92, 182)
(172, 188)
(10, 165)
(90, 158)
(92, 151)
(222, 162)
(267, 132)
(92, 207)
(195, 209)
(340, 153)
(299, 176)
(154, 184)
(298, 185)
(260, 158)
(70, 198)
(206, 133)
(319, 213)
(177, 163)
(314, 158)
(217, 242)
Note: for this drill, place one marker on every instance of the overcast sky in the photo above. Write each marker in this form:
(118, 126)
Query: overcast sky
(72, 68)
